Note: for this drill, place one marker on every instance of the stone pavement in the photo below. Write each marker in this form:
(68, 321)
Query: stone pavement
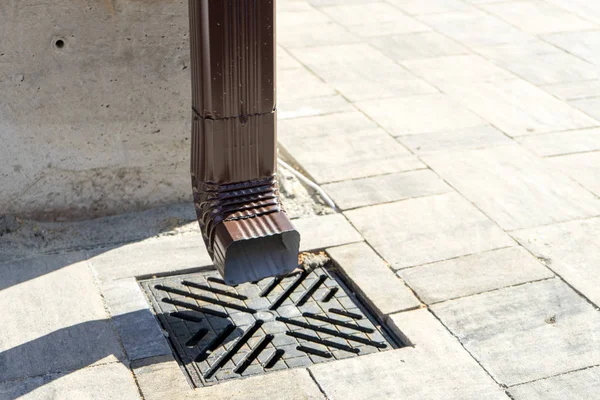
(460, 140)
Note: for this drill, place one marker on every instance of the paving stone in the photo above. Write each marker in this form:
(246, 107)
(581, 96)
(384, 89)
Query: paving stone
(374, 19)
(416, 7)
(469, 68)
(326, 33)
(589, 106)
(578, 385)
(571, 250)
(416, 46)
(554, 144)
(474, 274)
(310, 107)
(574, 90)
(55, 310)
(341, 146)
(137, 327)
(371, 277)
(161, 378)
(475, 28)
(538, 17)
(326, 231)
(526, 48)
(583, 168)
(452, 140)
(385, 188)
(110, 381)
(427, 229)
(545, 68)
(299, 83)
(584, 44)
(285, 61)
(518, 108)
(513, 187)
(553, 331)
(361, 72)
(412, 115)
(585, 9)
(151, 256)
(436, 368)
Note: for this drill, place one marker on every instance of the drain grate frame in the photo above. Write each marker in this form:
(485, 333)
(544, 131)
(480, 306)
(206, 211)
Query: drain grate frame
(218, 332)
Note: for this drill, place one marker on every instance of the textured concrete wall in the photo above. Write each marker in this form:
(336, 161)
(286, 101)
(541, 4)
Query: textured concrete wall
(94, 106)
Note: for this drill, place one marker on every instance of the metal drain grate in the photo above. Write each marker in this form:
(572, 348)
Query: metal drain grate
(221, 332)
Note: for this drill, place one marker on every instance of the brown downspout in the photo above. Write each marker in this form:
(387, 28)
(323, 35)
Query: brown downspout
(234, 141)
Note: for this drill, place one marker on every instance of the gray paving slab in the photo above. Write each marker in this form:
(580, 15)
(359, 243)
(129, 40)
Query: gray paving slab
(584, 44)
(299, 83)
(374, 19)
(361, 72)
(546, 68)
(513, 187)
(574, 90)
(583, 168)
(414, 46)
(413, 115)
(571, 250)
(55, 311)
(475, 28)
(109, 381)
(590, 106)
(341, 146)
(452, 140)
(311, 107)
(585, 9)
(327, 231)
(538, 16)
(553, 332)
(305, 28)
(579, 385)
(518, 108)
(428, 229)
(137, 327)
(162, 379)
(561, 143)
(385, 188)
(472, 274)
(436, 368)
(373, 279)
(469, 68)
(151, 256)
(417, 7)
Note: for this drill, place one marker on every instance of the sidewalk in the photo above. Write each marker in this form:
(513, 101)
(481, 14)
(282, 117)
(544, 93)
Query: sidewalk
(461, 141)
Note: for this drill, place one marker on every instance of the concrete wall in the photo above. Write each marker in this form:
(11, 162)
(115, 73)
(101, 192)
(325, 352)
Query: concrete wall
(94, 106)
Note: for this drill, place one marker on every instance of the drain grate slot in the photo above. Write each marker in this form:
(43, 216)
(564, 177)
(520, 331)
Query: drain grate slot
(219, 332)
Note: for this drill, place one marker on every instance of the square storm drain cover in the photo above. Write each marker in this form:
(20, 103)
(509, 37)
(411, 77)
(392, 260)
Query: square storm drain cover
(220, 332)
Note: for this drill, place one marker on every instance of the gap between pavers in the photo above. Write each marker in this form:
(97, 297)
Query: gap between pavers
(162, 379)
(372, 279)
(437, 367)
(578, 385)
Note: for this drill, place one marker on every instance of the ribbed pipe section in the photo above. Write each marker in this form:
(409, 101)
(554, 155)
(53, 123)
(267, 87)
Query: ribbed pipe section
(234, 138)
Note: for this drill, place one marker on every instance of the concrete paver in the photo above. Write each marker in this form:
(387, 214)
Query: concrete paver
(584, 44)
(553, 331)
(56, 321)
(385, 188)
(413, 115)
(519, 108)
(436, 368)
(571, 250)
(109, 381)
(414, 46)
(341, 146)
(560, 143)
(427, 229)
(583, 168)
(589, 106)
(470, 68)
(472, 274)
(452, 140)
(417, 7)
(574, 90)
(538, 195)
(579, 385)
(370, 276)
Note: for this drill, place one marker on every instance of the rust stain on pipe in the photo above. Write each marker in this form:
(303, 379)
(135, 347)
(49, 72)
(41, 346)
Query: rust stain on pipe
(234, 140)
